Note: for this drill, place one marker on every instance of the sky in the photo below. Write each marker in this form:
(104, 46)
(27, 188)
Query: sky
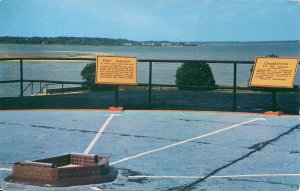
(142, 20)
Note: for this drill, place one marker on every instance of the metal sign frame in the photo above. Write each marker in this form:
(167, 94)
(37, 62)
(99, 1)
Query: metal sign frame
(111, 62)
(271, 83)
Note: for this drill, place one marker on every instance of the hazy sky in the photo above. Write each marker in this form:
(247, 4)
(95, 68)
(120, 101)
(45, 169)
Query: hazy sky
(174, 20)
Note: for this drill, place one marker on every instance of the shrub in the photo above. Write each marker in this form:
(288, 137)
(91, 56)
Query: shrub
(193, 74)
(88, 74)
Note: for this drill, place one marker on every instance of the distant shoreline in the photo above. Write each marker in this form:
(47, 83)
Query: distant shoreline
(33, 56)
(88, 41)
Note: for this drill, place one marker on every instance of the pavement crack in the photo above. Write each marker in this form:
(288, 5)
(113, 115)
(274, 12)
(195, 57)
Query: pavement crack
(257, 145)
(108, 133)
(294, 152)
(256, 148)
(126, 172)
(202, 120)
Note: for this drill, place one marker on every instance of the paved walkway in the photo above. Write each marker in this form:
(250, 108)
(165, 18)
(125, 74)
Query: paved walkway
(161, 150)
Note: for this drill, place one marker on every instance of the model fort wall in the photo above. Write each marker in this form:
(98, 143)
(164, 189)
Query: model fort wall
(70, 169)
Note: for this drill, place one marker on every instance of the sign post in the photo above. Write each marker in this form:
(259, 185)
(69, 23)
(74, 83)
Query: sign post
(116, 70)
(274, 73)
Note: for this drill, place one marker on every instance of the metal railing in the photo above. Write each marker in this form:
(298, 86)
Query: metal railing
(150, 85)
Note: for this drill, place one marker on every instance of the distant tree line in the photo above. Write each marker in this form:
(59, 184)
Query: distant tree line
(89, 41)
(67, 41)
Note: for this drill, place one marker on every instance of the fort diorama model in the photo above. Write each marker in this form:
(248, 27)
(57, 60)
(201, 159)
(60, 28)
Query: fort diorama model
(65, 170)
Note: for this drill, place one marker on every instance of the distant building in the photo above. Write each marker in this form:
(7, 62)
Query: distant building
(127, 44)
(148, 44)
(166, 44)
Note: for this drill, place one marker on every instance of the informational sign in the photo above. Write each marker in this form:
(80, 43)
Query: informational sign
(274, 72)
(117, 70)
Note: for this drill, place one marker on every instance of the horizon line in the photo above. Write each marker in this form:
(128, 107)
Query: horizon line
(198, 41)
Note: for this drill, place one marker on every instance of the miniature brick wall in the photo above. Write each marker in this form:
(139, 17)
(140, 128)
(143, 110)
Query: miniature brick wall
(83, 160)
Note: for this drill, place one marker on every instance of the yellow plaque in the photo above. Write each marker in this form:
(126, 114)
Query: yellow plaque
(116, 70)
(274, 72)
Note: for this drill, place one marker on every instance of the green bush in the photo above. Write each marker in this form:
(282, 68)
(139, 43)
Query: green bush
(88, 75)
(193, 74)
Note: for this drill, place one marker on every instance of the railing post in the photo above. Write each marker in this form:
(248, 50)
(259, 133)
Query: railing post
(234, 87)
(31, 88)
(117, 96)
(150, 85)
(62, 88)
(21, 78)
(274, 101)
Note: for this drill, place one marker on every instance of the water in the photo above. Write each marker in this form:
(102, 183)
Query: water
(163, 73)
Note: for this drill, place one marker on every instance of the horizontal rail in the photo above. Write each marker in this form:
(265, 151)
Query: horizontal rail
(9, 81)
(54, 81)
(42, 81)
(296, 88)
(207, 61)
(139, 60)
(48, 58)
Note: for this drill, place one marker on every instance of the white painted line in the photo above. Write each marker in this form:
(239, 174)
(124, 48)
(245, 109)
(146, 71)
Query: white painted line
(185, 141)
(5, 169)
(213, 177)
(165, 177)
(256, 175)
(95, 188)
(101, 130)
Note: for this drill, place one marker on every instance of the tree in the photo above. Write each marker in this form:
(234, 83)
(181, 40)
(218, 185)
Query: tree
(88, 74)
(191, 75)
